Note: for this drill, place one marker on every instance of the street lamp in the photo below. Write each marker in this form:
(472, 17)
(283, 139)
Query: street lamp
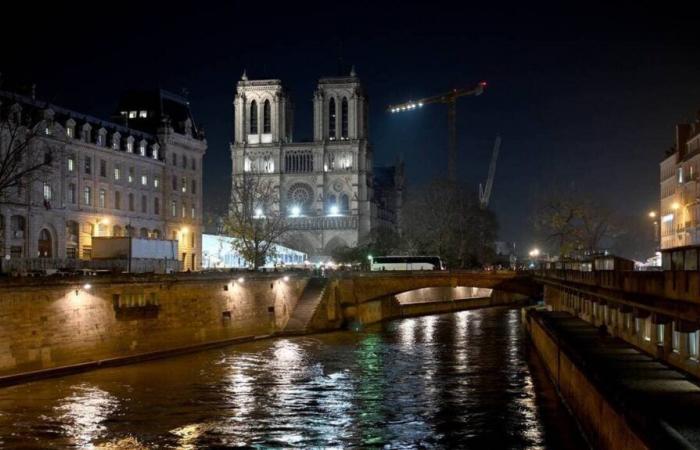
(652, 214)
(535, 252)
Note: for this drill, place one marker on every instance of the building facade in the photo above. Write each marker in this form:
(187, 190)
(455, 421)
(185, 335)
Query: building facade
(679, 217)
(324, 186)
(138, 175)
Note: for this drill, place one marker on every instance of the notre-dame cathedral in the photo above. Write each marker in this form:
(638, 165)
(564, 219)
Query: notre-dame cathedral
(328, 188)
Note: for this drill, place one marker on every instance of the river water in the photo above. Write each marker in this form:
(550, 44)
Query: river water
(465, 379)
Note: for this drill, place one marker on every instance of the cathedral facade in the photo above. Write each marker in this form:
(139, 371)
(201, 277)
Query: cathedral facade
(325, 185)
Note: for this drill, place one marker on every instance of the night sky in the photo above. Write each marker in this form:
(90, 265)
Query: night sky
(585, 98)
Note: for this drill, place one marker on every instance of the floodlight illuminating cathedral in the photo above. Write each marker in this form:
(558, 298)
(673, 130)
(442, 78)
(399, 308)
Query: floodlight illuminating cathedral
(328, 188)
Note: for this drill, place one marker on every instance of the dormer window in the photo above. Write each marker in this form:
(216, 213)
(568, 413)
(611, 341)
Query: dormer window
(132, 114)
(142, 148)
(116, 140)
(143, 114)
(70, 131)
(87, 133)
(155, 151)
(130, 144)
(101, 137)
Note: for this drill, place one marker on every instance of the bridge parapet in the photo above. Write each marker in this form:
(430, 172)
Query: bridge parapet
(672, 285)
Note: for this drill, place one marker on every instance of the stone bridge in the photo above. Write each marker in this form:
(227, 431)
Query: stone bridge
(361, 287)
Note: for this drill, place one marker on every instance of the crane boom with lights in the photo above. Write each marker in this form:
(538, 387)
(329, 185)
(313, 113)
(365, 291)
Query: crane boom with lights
(450, 99)
(485, 191)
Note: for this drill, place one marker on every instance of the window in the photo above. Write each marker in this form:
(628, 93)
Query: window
(331, 118)
(174, 183)
(70, 132)
(647, 329)
(87, 195)
(155, 151)
(183, 211)
(131, 201)
(132, 114)
(117, 200)
(103, 168)
(174, 159)
(71, 193)
(192, 211)
(142, 148)
(117, 173)
(101, 199)
(143, 114)
(144, 205)
(266, 117)
(675, 339)
(48, 193)
(156, 182)
(184, 161)
(71, 164)
(156, 206)
(660, 330)
(194, 164)
(344, 118)
(88, 165)
(173, 208)
(299, 161)
(130, 145)
(344, 203)
(115, 141)
(144, 180)
(693, 345)
(131, 174)
(253, 117)
(184, 184)
(680, 175)
(194, 186)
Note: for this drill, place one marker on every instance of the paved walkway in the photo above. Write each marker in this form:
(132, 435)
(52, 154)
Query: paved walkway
(662, 404)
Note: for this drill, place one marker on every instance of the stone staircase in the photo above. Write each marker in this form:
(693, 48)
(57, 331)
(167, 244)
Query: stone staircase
(306, 306)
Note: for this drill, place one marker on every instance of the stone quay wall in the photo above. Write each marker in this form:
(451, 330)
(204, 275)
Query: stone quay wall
(603, 424)
(51, 324)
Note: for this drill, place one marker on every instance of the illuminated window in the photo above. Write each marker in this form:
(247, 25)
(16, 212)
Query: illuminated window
(156, 182)
(680, 175)
(184, 184)
(693, 344)
(192, 212)
(117, 173)
(144, 180)
(183, 212)
(87, 195)
(173, 208)
(131, 175)
(132, 114)
(101, 198)
(48, 193)
(660, 330)
(71, 164)
(142, 148)
(130, 145)
(70, 132)
(143, 114)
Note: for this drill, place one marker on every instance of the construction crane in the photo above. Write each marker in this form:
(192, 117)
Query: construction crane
(485, 191)
(450, 99)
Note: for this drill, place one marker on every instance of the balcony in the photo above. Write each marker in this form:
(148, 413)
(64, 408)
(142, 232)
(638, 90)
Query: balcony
(323, 223)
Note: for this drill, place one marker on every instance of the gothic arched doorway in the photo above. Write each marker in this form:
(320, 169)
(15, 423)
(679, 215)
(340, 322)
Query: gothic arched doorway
(45, 244)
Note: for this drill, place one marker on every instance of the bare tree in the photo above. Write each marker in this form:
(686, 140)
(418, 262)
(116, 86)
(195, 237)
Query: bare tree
(27, 150)
(575, 225)
(254, 218)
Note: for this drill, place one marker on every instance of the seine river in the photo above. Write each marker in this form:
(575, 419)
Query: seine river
(467, 379)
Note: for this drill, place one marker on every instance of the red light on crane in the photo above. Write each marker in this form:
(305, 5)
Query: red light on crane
(483, 83)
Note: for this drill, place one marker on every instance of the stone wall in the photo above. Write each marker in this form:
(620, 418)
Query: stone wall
(605, 427)
(50, 325)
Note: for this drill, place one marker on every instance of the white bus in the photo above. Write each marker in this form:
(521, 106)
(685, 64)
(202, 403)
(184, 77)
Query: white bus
(406, 263)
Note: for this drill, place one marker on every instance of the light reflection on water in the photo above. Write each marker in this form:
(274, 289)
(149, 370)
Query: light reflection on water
(439, 381)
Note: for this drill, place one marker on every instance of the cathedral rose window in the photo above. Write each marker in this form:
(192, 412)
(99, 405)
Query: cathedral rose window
(301, 195)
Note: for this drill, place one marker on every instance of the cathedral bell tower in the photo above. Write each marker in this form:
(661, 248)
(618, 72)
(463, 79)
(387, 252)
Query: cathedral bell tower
(340, 109)
(263, 112)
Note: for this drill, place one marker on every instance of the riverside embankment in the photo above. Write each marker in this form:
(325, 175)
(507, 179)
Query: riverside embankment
(621, 397)
(57, 326)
